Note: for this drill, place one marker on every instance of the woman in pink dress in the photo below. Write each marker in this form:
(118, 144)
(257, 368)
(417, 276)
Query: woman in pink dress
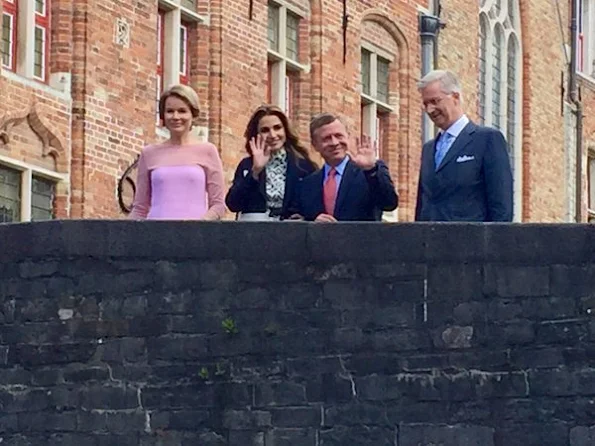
(179, 179)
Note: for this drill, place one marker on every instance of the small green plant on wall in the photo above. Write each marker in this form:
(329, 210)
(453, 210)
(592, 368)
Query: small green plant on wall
(219, 369)
(204, 373)
(229, 326)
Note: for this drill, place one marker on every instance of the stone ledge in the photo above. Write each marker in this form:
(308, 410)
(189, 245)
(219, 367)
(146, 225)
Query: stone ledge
(512, 244)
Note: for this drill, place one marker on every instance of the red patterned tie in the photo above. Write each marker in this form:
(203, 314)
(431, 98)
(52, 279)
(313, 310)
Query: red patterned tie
(330, 192)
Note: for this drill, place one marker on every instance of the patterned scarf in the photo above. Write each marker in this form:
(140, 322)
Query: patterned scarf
(276, 171)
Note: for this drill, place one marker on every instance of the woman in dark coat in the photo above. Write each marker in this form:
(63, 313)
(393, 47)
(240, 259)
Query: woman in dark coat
(266, 183)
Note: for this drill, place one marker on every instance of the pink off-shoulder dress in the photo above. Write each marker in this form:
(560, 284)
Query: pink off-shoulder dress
(179, 183)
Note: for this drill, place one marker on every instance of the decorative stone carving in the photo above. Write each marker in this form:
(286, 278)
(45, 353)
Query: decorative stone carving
(52, 142)
(122, 33)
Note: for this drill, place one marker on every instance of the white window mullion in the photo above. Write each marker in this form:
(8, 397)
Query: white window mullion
(282, 66)
(369, 117)
(373, 108)
(171, 52)
(278, 73)
(518, 142)
(26, 185)
(283, 31)
(374, 127)
(287, 92)
(26, 38)
(374, 75)
(504, 84)
(489, 74)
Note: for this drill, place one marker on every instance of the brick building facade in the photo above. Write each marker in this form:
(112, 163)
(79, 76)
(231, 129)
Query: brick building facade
(79, 80)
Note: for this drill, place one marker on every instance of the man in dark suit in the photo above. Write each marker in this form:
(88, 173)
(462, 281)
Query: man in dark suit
(352, 185)
(465, 172)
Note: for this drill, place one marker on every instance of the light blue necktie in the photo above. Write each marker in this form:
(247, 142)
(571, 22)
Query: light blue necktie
(441, 148)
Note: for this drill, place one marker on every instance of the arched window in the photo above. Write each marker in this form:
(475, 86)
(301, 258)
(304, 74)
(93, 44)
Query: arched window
(500, 81)
(482, 67)
(381, 88)
(379, 54)
(496, 76)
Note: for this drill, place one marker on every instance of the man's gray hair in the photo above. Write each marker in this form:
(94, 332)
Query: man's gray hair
(448, 81)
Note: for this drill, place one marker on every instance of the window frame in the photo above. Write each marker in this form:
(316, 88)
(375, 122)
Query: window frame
(53, 185)
(28, 172)
(10, 8)
(284, 72)
(372, 108)
(42, 22)
(27, 21)
(296, 19)
(585, 62)
(19, 192)
(375, 113)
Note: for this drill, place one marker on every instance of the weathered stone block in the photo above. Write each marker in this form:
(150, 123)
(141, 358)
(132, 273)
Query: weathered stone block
(414, 435)
(292, 437)
(517, 281)
(280, 394)
(246, 419)
(358, 436)
(296, 416)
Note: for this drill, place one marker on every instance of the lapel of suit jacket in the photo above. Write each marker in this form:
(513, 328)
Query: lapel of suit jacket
(346, 182)
(317, 190)
(290, 178)
(428, 166)
(459, 144)
(262, 182)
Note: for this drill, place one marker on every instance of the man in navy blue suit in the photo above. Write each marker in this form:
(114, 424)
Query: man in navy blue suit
(352, 185)
(465, 172)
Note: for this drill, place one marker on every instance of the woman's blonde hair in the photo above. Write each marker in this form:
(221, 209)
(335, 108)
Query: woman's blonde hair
(186, 94)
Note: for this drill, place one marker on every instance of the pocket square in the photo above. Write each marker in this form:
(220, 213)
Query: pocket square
(465, 158)
(245, 172)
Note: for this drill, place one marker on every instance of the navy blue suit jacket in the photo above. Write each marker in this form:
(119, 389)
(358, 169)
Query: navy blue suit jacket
(473, 182)
(362, 196)
(248, 195)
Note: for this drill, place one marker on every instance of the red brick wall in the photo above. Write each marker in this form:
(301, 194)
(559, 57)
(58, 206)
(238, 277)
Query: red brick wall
(112, 112)
(543, 135)
(114, 94)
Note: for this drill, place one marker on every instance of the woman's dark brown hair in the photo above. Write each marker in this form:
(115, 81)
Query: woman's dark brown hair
(293, 143)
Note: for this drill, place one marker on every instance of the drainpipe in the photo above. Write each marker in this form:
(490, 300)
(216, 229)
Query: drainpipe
(573, 97)
(429, 26)
(436, 9)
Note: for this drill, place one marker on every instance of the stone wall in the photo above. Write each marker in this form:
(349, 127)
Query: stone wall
(211, 334)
